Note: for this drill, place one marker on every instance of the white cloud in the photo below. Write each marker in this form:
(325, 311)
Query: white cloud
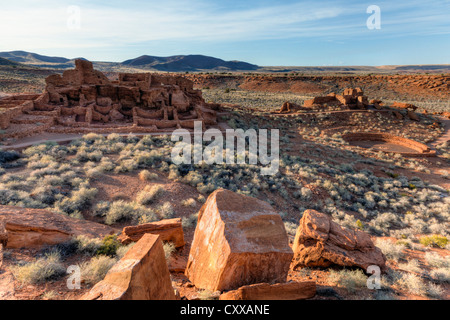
(33, 25)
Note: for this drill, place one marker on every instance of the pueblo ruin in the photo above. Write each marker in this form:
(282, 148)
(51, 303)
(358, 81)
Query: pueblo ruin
(84, 100)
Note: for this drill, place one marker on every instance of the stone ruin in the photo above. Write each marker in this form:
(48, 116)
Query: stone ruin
(85, 98)
(351, 99)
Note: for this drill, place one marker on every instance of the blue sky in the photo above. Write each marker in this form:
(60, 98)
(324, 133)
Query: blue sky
(268, 33)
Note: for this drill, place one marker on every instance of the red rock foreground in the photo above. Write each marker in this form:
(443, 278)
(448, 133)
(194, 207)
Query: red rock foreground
(320, 242)
(142, 274)
(279, 291)
(31, 228)
(238, 241)
(169, 230)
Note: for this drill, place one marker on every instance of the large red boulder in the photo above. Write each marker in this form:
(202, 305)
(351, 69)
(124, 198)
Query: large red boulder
(320, 242)
(238, 241)
(142, 274)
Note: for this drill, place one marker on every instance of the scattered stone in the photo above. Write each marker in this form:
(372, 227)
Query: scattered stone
(402, 105)
(320, 242)
(142, 274)
(398, 115)
(239, 240)
(413, 116)
(31, 228)
(170, 230)
(288, 107)
(279, 291)
(177, 264)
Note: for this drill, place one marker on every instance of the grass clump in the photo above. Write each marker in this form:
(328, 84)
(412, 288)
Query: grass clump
(146, 175)
(169, 249)
(348, 279)
(149, 194)
(95, 270)
(189, 203)
(121, 210)
(392, 251)
(41, 270)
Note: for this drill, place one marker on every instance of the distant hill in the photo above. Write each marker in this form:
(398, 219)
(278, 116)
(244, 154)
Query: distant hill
(6, 62)
(201, 63)
(28, 57)
(178, 63)
(188, 63)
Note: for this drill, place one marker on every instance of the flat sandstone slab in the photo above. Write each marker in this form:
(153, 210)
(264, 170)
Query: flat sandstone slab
(169, 230)
(279, 291)
(38, 227)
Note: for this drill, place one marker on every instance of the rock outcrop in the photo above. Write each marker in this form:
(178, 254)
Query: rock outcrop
(238, 241)
(320, 242)
(278, 291)
(31, 228)
(169, 230)
(3, 240)
(142, 274)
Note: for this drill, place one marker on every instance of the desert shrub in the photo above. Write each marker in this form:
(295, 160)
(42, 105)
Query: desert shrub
(441, 274)
(166, 211)
(121, 210)
(8, 156)
(434, 291)
(437, 261)
(193, 178)
(207, 295)
(41, 270)
(190, 221)
(127, 166)
(95, 269)
(108, 246)
(80, 200)
(88, 246)
(169, 249)
(101, 208)
(413, 284)
(44, 194)
(391, 250)
(434, 241)
(149, 194)
(189, 203)
(146, 175)
(122, 250)
(348, 279)
(412, 266)
(291, 228)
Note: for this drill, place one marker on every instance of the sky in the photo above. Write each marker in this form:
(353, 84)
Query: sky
(267, 33)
